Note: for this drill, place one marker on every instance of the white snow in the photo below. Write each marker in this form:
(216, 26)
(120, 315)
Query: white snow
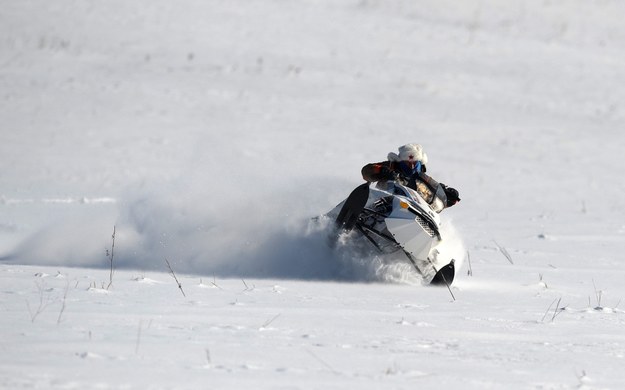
(209, 132)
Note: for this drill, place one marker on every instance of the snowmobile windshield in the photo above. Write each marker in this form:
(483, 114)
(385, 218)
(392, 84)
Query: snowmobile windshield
(422, 193)
(426, 193)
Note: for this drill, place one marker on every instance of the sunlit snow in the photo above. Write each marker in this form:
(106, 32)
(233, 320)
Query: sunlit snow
(207, 134)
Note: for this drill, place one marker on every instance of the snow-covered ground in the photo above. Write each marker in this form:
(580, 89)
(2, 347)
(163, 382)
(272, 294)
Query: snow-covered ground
(208, 133)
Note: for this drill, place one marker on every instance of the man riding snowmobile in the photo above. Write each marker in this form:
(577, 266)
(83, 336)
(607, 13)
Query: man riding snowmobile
(398, 216)
(408, 168)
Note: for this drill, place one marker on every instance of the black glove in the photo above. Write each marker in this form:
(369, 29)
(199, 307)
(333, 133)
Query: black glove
(453, 196)
(387, 174)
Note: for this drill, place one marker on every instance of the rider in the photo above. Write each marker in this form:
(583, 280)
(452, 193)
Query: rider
(407, 167)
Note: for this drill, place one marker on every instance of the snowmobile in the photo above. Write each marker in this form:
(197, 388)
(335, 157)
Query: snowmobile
(398, 221)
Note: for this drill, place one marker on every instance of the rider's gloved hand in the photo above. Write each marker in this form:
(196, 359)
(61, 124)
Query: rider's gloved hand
(386, 173)
(453, 196)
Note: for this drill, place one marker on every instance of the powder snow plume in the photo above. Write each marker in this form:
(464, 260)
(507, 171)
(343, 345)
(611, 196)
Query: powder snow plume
(266, 234)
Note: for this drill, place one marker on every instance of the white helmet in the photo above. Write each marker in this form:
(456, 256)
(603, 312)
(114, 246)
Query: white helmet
(410, 152)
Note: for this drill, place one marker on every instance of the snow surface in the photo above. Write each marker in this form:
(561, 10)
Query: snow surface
(209, 132)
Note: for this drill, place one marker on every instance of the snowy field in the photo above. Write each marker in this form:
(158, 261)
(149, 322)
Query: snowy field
(208, 133)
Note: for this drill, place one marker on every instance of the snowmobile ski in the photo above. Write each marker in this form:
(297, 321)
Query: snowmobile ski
(445, 275)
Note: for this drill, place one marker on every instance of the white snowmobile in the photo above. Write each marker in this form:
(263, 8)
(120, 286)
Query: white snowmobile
(398, 220)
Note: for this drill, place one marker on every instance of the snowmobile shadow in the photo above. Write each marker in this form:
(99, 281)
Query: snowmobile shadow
(307, 254)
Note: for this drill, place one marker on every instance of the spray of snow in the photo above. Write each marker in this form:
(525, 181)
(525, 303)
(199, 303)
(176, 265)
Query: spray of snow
(228, 236)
